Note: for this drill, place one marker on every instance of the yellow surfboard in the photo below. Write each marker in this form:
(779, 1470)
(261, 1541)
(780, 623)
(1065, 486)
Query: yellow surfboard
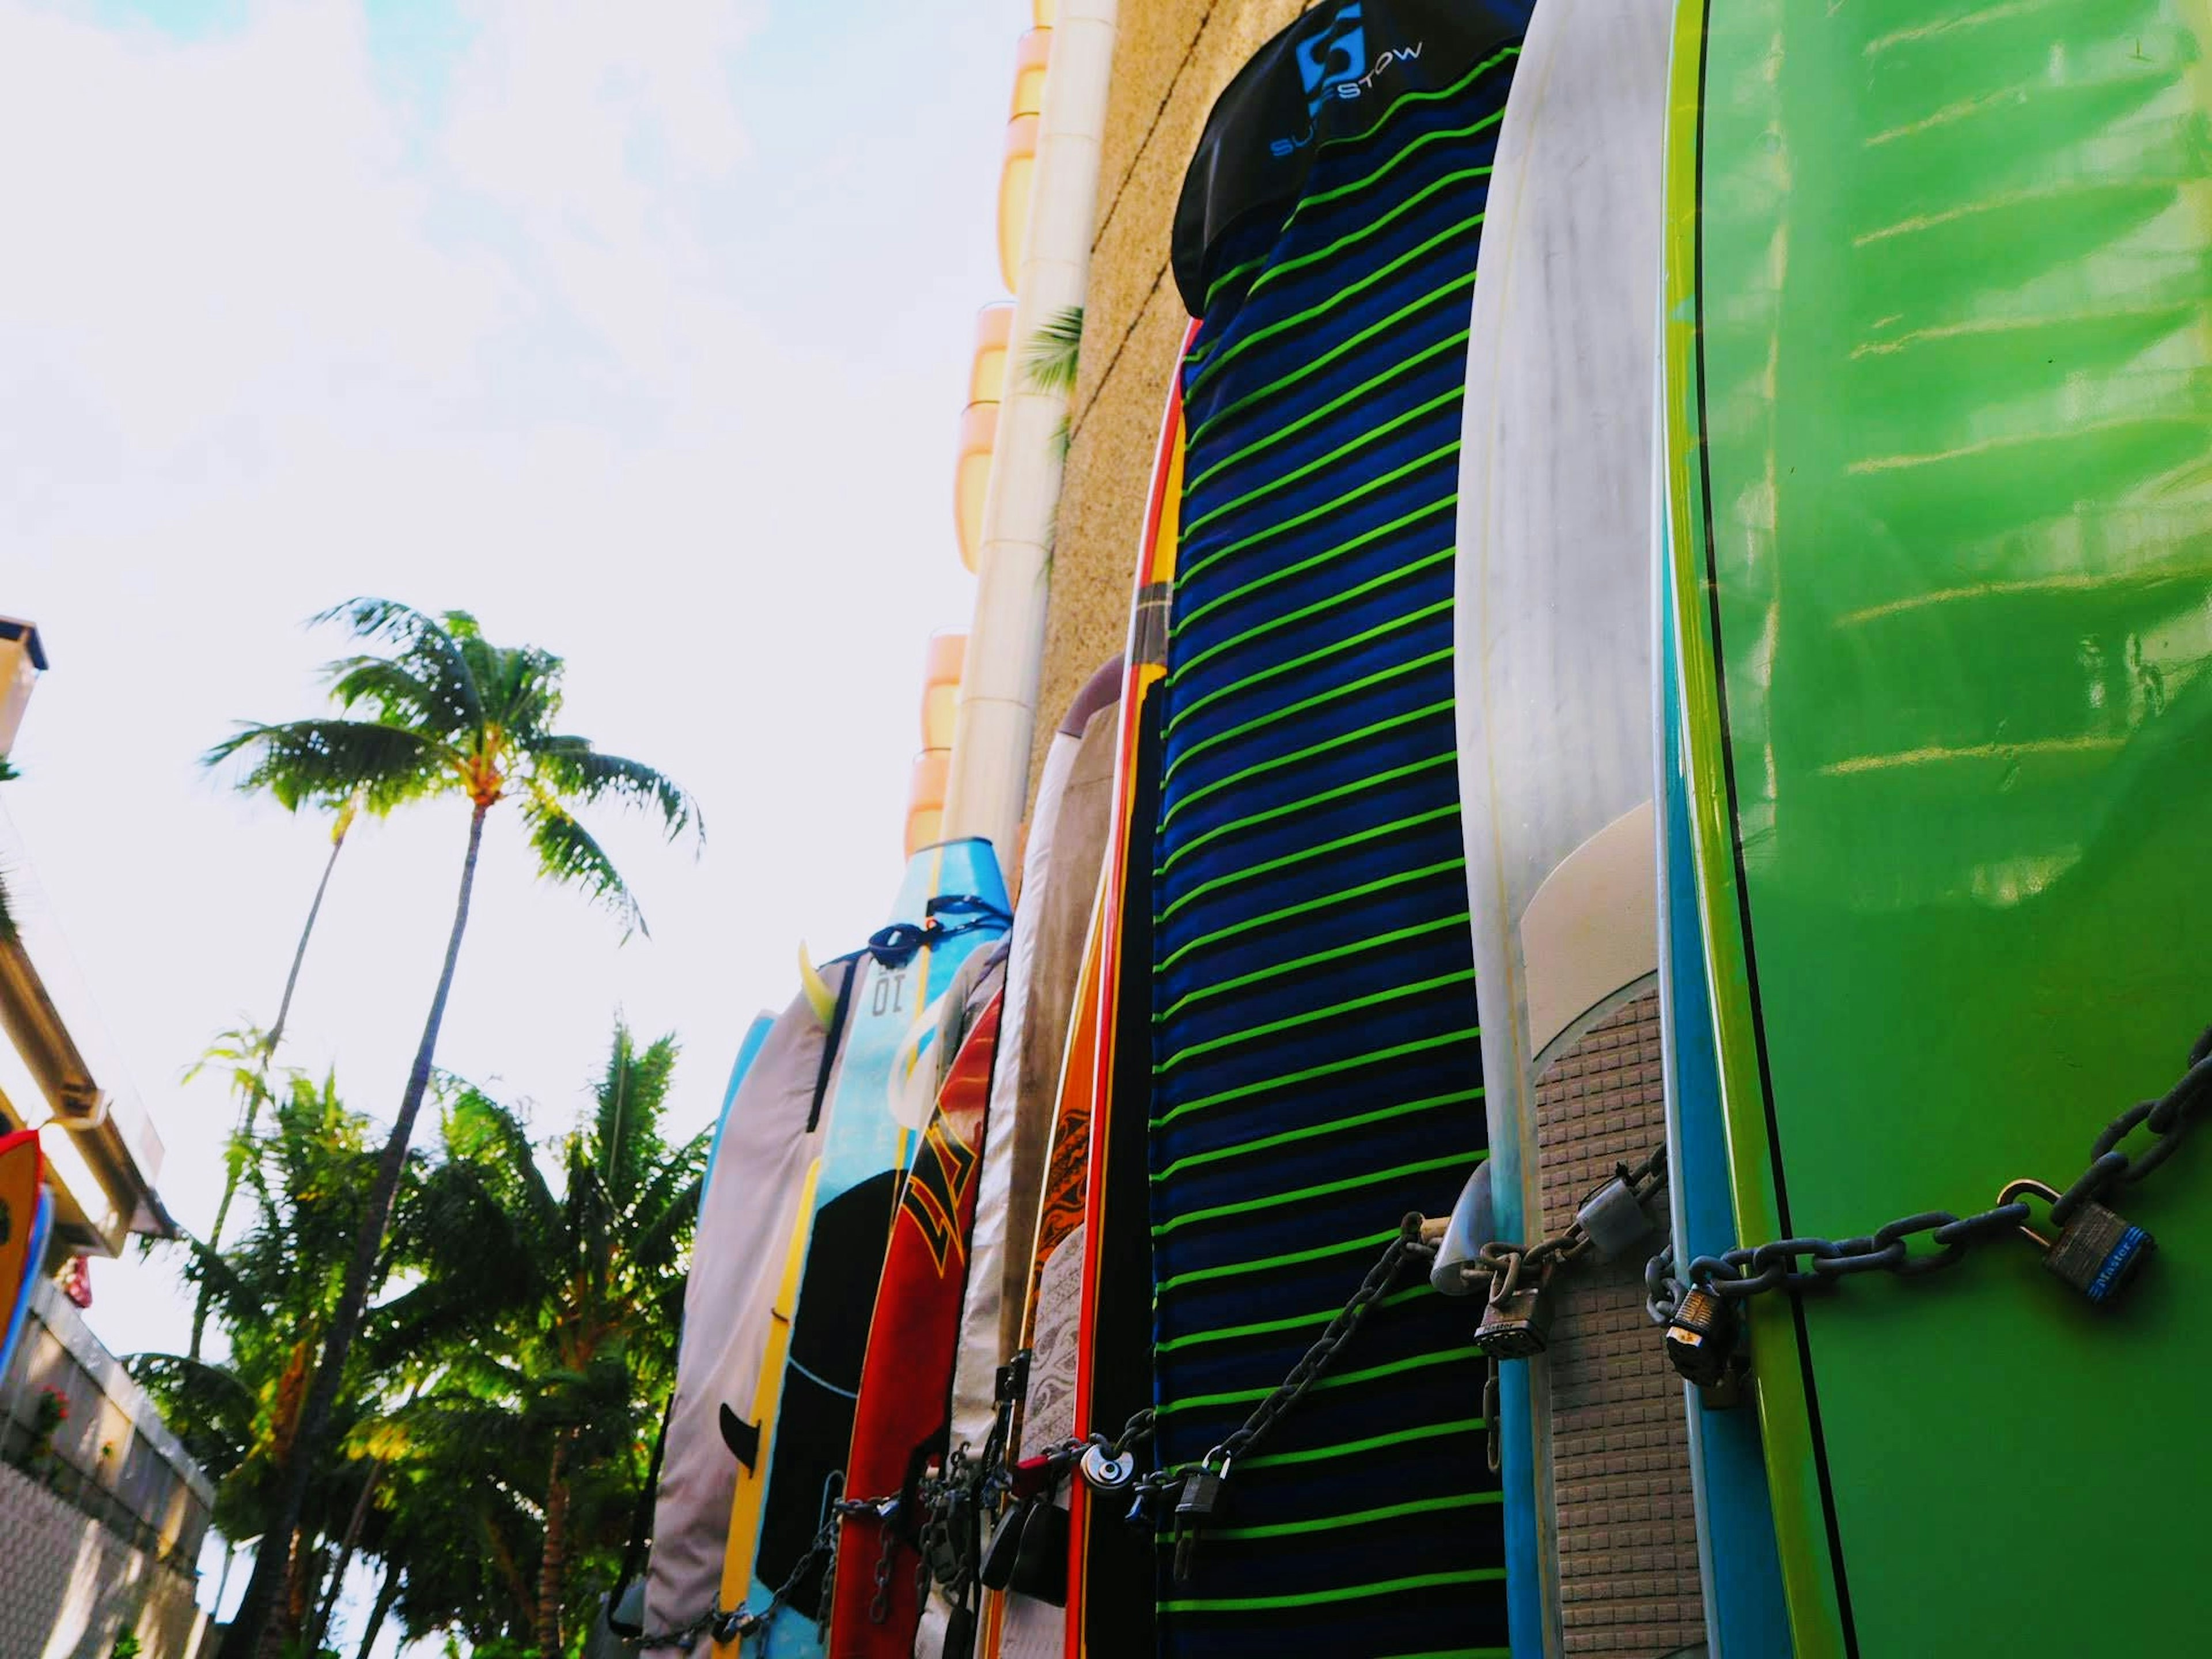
(752, 1482)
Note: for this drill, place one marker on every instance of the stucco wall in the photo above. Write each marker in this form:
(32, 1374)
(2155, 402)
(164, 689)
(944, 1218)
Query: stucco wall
(1170, 61)
(69, 1586)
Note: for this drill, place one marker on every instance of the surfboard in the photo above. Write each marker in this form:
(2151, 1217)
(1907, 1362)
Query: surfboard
(901, 1420)
(1553, 688)
(765, 1141)
(1937, 420)
(1738, 1568)
(1013, 1625)
(950, 904)
(1317, 1062)
(1109, 1566)
(750, 1500)
(26, 1218)
(749, 1047)
(1060, 883)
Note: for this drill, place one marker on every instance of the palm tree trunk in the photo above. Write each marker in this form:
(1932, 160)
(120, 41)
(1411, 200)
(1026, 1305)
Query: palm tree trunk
(552, 1569)
(386, 1594)
(345, 1554)
(231, 1168)
(253, 1632)
(299, 1587)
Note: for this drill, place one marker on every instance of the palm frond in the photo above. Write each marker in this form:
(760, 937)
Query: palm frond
(1053, 352)
(398, 695)
(567, 853)
(482, 1133)
(630, 1097)
(325, 762)
(437, 640)
(662, 1225)
(570, 767)
(523, 693)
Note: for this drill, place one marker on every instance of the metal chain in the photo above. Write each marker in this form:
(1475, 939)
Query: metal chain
(736, 1625)
(1503, 1263)
(1738, 1274)
(880, 1609)
(1406, 1246)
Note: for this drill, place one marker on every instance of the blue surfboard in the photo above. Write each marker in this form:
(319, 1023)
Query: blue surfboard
(952, 903)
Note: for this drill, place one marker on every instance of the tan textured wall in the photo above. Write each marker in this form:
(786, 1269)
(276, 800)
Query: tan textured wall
(1172, 59)
(1620, 1454)
(69, 1587)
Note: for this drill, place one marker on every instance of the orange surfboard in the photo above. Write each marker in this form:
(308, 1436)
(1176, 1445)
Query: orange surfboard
(1118, 1621)
(24, 1212)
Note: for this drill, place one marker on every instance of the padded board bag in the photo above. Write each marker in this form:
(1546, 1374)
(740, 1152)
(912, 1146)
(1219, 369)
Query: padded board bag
(1317, 1060)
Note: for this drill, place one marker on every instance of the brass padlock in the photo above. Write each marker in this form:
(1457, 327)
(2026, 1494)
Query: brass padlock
(2097, 1252)
(1517, 1320)
(1701, 1337)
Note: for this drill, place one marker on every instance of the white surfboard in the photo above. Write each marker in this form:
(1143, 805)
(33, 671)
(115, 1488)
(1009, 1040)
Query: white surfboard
(1554, 687)
(769, 1133)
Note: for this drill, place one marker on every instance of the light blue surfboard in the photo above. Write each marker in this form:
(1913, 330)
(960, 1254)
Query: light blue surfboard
(952, 903)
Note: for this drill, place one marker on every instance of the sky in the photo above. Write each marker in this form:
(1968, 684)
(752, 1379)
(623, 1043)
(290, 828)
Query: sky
(641, 331)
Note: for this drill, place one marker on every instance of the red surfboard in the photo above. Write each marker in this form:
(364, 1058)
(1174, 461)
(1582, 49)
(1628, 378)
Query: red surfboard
(906, 1381)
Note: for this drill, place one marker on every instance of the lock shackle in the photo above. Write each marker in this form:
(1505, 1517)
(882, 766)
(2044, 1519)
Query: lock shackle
(2042, 1189)
(1226, 1456)
(1504, 1262)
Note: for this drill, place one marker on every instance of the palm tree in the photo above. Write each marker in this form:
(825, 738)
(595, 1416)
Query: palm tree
(1048, 368)
(273, 1293)
(448, 714)
(589, 1294)
(248, 1043)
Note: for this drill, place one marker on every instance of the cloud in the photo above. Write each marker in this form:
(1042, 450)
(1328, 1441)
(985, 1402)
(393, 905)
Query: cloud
(501, 305)
(198, 224)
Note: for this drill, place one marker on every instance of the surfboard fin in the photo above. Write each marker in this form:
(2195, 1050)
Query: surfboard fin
(741, 1438)
(819, 996)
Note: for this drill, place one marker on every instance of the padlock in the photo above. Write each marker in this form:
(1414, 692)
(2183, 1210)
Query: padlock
(1041, 1566)
(1613, 1216)
(1103, 1470)
(1000, 1553)
(1701, 1337)
(1197, 1505)
(1517, 1320)
(2097, 1252)
(947, 1542)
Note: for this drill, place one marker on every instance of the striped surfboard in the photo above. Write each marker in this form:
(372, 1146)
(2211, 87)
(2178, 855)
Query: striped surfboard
(1317, 1060)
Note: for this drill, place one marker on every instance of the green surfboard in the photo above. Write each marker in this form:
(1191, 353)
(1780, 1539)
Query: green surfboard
(1938, 411)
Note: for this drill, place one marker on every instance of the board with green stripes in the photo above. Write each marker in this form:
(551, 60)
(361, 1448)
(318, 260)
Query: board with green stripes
(1317, 1056)
(1938, 411)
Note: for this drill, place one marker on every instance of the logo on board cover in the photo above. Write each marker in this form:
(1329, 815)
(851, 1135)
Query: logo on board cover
(936, 1189)
(1336, 55)
(1334, 64)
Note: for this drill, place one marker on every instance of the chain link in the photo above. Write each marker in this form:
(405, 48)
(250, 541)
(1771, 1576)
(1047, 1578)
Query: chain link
(1407, 1245)
(880, 1609)
(735, 1625)
(1741, 1272)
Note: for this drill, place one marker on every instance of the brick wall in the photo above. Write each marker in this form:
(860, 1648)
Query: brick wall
(1620, 1455)
(69, 1587)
